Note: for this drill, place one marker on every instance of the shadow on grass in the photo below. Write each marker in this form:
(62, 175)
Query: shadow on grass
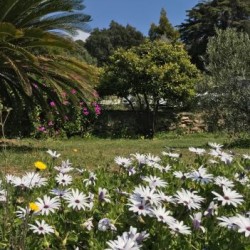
(238, 143)
(17, 147)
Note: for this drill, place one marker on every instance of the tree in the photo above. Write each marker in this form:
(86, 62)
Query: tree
(29, 74)
(152, 72)
(205, 17)
(102, 43)
(164, 30)
(227, 85)
(57, 16)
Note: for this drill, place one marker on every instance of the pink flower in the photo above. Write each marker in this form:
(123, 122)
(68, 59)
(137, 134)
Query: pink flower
(64, 94)
(35, 85)
(41, 128)
(65, 102)
(52, 104)
(50, 123)
(73, 91)
(85, 111)
(97, 109)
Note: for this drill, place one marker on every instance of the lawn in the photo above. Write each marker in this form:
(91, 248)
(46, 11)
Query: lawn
(90, 153)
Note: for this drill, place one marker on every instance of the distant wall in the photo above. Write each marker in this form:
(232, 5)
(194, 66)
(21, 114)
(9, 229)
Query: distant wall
(126, 123)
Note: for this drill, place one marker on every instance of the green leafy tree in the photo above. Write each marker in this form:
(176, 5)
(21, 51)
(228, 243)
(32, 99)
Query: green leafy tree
(164, 30)
(227, 85)
(152, 72)
(102, 43)
(30, 74)
(205, 17)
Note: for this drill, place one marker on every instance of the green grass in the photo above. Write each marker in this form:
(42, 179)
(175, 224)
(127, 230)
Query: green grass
(20, 155)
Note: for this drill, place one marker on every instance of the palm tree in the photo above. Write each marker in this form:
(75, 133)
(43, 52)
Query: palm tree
(49, 15)
(29, 74)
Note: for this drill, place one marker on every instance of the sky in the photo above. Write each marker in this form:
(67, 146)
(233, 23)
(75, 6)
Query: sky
(137, 13)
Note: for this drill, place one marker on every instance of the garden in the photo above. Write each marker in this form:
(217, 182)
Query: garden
(124, 141)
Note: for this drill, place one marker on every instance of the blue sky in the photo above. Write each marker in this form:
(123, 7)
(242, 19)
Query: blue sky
(138, 13)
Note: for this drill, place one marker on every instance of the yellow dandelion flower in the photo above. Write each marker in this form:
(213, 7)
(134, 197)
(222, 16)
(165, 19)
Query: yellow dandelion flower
(75, 150)
(40, 165)
(33, 206)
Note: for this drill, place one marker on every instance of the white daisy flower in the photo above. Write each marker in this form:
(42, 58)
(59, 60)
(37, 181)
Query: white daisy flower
(22, 212)
(66, 164)
(91, 180)
(230, 197)
(77, 200)
(152, 159)
(241, 178)
(165, 198)
(53, 154)
(63, 170)
(48, 205)
(41, 228)
(129, 240)
(181, 175)
(63, 179)
(10, 178)
(19, 182)
(146, 193)
(80, 170)
(131, 170)
(196, 219)
(215, 152)
(188, 199)
(105, 224)
(246, 156)
(140, 207)
(198, 151)
(171, 155)
(222, 181)
(201, 175)
(213, 161)
(178, 227)
(122, 242)
(228, 222)
(103, 195)
(122, 161)
(138, 237)
(88, 224)
(33, 179)
(215, 145)
(154, 181)
(141, 158)
(59, 192)
(3, 195)
(243, 224)
(226, 158)
(212, 209)
(162, 214)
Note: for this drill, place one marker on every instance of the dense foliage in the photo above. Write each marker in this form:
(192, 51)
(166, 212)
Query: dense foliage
(205, 17)
(102, 43)
(225, 93)
(164, 30)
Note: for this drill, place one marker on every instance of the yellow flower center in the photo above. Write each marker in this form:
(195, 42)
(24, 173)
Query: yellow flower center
(33, 206)
(40, 165)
